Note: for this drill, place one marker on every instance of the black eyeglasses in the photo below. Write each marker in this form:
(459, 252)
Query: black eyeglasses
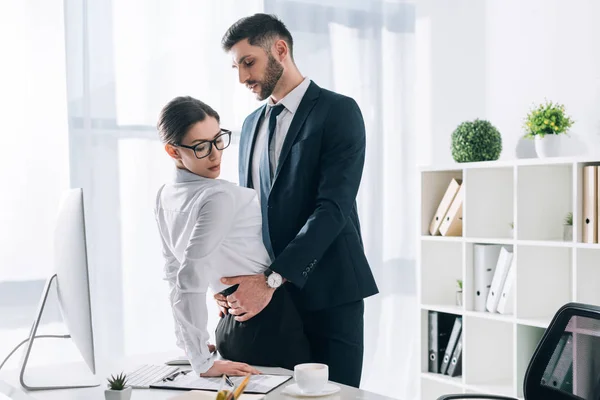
(204, 148)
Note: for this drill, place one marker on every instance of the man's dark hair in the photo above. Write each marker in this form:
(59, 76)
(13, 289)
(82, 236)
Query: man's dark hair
(177, 117)
(260, 30)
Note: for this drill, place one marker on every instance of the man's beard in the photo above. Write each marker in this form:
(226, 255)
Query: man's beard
(272, 75)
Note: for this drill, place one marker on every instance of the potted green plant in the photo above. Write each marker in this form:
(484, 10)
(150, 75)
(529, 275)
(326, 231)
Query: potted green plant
(476, 140)
(459, 292)
(568, 228)
(546, 124)
(117, 388)
(512, 230)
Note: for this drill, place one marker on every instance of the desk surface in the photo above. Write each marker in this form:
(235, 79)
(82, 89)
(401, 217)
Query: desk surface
(10, 386)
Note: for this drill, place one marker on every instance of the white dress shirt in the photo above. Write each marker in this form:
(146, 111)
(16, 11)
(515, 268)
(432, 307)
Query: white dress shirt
(210, 229)
(290, 102)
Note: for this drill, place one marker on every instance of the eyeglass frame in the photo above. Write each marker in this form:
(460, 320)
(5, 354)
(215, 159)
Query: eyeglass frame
(211, 142)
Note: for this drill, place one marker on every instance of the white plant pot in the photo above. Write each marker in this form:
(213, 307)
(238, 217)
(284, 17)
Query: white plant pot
(568, 233)
(548, 146)
(124, 394)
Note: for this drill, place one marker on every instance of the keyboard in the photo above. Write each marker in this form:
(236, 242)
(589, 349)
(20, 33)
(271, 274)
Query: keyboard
(149, 374)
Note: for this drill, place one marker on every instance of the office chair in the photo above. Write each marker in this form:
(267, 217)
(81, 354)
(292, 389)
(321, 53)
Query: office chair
(566, 362)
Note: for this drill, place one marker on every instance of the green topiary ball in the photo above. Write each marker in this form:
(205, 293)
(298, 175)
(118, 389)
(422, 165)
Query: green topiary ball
(478, 140)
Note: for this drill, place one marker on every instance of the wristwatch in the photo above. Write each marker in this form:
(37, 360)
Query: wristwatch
(274, 280)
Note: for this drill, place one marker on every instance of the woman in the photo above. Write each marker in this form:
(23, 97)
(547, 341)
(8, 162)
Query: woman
(210, 229)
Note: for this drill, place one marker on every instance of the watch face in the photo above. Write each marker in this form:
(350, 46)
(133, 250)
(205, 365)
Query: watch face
(274, 280)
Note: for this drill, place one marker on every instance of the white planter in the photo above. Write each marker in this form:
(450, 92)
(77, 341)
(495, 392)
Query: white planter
(548, 146)
(568, 233)
(124, 394)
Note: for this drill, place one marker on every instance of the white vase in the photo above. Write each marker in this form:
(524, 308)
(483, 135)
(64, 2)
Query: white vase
(547, 146)
(124, 394)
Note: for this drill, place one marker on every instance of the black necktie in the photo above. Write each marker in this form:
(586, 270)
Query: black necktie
(266, 175)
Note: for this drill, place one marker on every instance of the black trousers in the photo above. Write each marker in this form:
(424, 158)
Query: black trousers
(273, 338)
(336, 337)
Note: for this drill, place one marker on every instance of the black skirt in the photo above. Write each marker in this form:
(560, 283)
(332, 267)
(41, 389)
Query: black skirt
(273, 338)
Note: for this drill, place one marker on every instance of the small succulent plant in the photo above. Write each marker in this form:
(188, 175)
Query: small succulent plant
(118, 382)
(569, 219)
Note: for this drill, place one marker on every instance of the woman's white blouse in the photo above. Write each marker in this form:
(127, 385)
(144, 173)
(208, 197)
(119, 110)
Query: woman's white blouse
(210, 229)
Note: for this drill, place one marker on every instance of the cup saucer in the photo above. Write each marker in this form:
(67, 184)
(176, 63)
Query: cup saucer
(294, 390)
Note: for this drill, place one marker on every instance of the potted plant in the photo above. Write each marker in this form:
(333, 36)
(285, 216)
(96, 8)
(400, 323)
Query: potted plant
(459, 292)
(568, 228)
(476, 140)
(512, 230)
(546, 124)
(117, 388)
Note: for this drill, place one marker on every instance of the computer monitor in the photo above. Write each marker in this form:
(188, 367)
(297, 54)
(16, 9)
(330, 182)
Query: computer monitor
(72, 283)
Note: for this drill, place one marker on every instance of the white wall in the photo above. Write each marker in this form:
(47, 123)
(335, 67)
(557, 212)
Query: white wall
(494, 59)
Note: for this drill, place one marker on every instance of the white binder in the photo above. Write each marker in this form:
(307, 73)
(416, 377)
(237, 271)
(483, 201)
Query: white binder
(506, 302)
(485, 257)
(502, 268)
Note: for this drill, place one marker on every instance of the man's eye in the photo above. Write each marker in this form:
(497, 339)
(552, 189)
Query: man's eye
(249, 63)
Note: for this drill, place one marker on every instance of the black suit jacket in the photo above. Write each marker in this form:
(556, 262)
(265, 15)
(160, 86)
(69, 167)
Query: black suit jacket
(312, 214)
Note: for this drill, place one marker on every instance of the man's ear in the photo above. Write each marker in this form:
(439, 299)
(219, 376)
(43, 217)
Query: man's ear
(172, 151)
(281, 49)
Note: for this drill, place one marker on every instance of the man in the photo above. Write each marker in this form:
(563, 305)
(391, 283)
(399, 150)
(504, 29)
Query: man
(303, 152)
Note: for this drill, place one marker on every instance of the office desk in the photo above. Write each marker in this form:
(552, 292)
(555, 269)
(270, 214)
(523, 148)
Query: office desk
(9, 384)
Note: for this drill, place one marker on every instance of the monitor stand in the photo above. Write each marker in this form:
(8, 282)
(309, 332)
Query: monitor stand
(49, 382)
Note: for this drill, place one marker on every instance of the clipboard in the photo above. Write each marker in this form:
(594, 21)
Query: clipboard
(187, 380)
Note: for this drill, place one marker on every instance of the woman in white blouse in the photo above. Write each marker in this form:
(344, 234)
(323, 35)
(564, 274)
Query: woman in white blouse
(211, 228)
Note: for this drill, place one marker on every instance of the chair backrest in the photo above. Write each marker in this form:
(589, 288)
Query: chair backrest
(566, 362)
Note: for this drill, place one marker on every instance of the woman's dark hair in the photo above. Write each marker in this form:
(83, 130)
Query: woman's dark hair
(260, 30)
(179, 115)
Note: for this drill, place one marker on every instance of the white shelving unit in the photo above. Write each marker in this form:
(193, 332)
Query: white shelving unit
(535, 195)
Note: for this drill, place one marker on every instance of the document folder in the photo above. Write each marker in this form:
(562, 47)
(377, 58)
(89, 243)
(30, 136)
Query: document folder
(590, 204)
(436, 222)
(452, 222)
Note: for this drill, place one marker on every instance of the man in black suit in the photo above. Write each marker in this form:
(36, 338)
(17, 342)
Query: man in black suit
(303, 152)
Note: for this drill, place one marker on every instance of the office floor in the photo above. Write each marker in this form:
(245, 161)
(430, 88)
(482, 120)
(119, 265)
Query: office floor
(390, 361)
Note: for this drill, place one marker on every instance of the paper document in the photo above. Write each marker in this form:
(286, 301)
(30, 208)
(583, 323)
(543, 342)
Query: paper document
(259, 384)
(199, 395)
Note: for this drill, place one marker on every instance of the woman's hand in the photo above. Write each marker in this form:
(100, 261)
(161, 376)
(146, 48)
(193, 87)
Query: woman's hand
(231, 368)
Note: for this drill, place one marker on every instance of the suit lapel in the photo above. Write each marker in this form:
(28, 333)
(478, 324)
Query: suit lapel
(306, 105)
(248, 148)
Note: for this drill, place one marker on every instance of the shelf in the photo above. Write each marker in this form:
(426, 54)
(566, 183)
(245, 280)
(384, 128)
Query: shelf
(544, 280)
(498, 388)
(588, 276)
(490, 240)
(537, 217)
(441, 267)
(448, 309)
(535, 195)
(528, 339)
(490, 316)
(545, 243)
(448, 380)
(433, 188)
(429, 238)
(509, 163)
(591, 246)
(488, 210)
(542, 322)
(489, 352)
(432, 389)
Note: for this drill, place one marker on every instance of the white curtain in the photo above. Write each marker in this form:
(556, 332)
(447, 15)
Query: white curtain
(126, 59)
(34, 166)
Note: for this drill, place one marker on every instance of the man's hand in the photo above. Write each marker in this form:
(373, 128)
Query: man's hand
(222, 303)
(250, 298)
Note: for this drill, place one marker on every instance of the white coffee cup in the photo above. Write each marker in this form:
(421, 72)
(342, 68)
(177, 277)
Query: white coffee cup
(311, 377)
